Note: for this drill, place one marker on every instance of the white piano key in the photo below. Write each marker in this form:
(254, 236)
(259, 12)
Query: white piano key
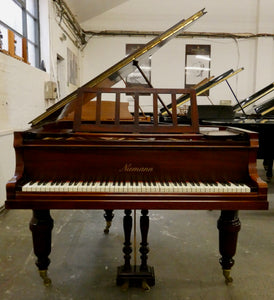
(138, 187)
(82, 186)
(169, 187)
(200, 187)
(109, 186)
(134, 187)
(96, 186)
(129, 187)
(103, 186)
(46, 186)
(153, 187)
(244, 188)
(145, 187)
(33, 187)
(194, 187)
(156, 186)
(121, 187)
(247, 188)
(57, 186)
(27, 187)
(237, 188)
(220, 187)
(65, 186)
(116, 186)
(188, 188)
(88, 186)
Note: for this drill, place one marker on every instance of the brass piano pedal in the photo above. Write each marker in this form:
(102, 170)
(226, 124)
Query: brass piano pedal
(135, 277)
(145, 286)
(125, 286)
(108, 224)
(44, 276)
(228, 278)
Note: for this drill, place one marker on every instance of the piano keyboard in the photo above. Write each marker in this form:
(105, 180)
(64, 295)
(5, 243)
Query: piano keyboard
(135, 187)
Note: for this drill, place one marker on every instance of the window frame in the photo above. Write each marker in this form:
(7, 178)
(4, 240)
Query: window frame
(25, 14)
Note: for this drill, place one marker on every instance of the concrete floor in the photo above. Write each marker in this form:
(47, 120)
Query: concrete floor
(183, 251)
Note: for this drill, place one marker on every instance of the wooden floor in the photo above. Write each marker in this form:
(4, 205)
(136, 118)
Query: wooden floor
(183, 251)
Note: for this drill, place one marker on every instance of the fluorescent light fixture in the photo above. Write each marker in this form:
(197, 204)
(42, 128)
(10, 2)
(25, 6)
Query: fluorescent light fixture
(204, 57)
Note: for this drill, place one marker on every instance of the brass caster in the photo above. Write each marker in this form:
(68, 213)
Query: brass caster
(44, 276)
(228, 278)
(268, 179)
(124, 286)
(145, 286)
(108, 224)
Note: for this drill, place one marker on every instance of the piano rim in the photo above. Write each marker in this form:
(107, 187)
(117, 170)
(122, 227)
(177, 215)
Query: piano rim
(200, 201)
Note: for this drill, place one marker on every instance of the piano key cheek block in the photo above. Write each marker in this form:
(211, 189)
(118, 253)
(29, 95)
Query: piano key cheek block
(73, 159)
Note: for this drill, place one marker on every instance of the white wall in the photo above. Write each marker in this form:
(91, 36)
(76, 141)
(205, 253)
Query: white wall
(22, 93)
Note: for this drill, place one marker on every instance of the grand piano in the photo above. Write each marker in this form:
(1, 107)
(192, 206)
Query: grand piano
(78, 163)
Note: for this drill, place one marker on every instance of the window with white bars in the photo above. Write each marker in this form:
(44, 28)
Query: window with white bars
(21, 17)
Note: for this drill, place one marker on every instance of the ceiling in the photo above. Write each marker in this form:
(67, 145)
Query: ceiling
(157, 15)
(86, 9)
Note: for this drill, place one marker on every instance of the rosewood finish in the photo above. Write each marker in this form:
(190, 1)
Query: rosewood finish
(57, 153)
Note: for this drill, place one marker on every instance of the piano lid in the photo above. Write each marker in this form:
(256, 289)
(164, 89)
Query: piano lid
(266, 109)
(115, 73)
(204, 87)
(256, 96)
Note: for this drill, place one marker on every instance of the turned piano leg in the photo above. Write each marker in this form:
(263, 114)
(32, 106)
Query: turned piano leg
(229, 225)
(108, 217)
(41, 226)
(127, 249)
(148, 271)
(126, 269)
(144, 226)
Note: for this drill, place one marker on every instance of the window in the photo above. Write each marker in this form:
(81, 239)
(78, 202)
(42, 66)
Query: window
(22, 19)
